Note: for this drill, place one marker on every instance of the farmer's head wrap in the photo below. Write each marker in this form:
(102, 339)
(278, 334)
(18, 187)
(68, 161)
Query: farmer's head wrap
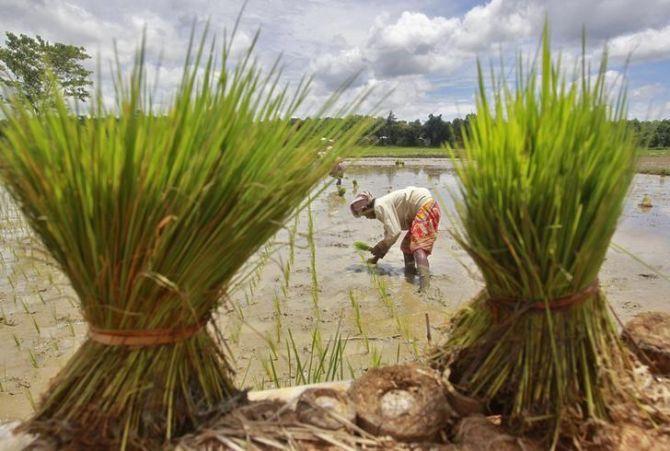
(361, 203)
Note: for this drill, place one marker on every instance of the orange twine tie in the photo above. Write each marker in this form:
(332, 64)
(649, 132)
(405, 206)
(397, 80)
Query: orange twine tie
(561, 303)
(144, 338)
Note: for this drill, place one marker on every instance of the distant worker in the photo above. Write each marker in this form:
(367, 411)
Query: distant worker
(412, 209)
(337, 172)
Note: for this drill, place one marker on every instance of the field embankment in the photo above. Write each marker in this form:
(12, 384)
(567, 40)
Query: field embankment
(654, 161)
(651, 161)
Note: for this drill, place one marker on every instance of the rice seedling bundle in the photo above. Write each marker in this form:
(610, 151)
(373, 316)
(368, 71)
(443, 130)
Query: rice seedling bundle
(362, 246)
(150, 213)
(547, 164)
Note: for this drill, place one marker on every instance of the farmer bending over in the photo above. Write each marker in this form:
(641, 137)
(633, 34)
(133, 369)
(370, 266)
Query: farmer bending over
(412, 209)
(337, 172)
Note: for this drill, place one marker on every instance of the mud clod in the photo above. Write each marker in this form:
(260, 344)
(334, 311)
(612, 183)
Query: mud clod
(648, 336)
(406, 402)
(326, 408)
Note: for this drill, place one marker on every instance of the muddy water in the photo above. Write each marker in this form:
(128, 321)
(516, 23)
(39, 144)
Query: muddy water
(311, 300)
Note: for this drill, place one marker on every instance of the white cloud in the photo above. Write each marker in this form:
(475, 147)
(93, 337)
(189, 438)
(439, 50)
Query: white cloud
(649, 101)
(426, 49)
(333, 70)
(411, 45)
(648, 44)
(648, 92)
(416, 43)
(403, 53)
(497, 22)
(604, 19)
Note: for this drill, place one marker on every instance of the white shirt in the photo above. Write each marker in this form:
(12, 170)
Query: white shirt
(397, 210)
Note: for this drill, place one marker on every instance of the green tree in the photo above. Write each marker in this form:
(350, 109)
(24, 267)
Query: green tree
(388, 133)
(26, 64)
(437, 131)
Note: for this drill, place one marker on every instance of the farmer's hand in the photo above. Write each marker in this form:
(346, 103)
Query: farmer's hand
(379, 250)
(373, 260)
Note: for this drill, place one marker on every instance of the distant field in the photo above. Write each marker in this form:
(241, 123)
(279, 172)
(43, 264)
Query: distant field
(652, 161)
(661, 152)
(399, 152)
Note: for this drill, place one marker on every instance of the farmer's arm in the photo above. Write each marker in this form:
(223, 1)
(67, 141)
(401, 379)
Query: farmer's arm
(392, 231)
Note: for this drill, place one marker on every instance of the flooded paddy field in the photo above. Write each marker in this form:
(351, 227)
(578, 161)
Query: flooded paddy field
(312, 294)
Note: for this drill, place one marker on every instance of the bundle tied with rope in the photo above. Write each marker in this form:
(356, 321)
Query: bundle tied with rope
(155, 216)
(546, 166)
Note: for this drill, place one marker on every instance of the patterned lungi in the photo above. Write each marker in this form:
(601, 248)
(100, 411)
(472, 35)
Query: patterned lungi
(422, 232)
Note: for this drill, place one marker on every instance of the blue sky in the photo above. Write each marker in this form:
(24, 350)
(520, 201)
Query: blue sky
(422, 51)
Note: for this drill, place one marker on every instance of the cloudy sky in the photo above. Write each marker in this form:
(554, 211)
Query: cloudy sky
(423, 51)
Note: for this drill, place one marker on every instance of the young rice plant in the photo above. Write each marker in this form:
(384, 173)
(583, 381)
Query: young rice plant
(150, 213)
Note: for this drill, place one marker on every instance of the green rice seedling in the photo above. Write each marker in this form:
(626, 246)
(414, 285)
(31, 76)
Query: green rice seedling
(286, 273)
(639, 260)
(293, 230)
(322, 363)
(382, 289)
(29, 397)
(33, 360)
(277, 317)
(362, 246)
(246, 373)
(234, 330)
(150, 212)
(341, 191)
(375, 358)
(352, 371)
(270, 370)
(37, 327)
(312, 259)
(238, 310)
(402, 326)
(70, 327)
(317, 342)
(355, 305)
(546, 165)
(646, 202)
(271, 343)
(16, 341)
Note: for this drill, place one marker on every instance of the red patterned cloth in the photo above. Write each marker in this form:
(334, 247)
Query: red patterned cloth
(423, 231)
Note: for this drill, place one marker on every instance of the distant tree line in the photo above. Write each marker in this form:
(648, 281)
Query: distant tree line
(652, 133)
(436, 132)
(433, 132)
